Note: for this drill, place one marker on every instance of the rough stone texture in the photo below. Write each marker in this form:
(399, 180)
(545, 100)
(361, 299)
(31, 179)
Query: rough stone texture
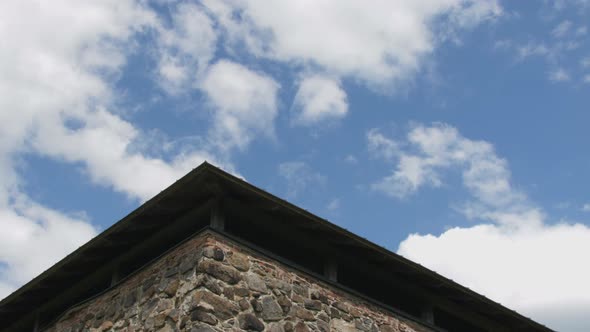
(210, 284)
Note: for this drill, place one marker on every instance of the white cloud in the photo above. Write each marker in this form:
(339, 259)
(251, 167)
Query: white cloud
(334, 205)
(559, 75)
(351, 159)
(58, 62)
(243, 101)
(558, 52)
(533, 269)
(33, 238)
(523, 51)
(514, 256)
(380, 43)
(586, 207)
(562, 29)
(412, 173)
(438, 148)
(186, 48)
(319, 99)
(585, 62)
(104, 144)
(552, 53)
(300, 177)
(244, 104)
(382, 147)
(581, 5)
(50, 85)
(533, 49)
(50, 70)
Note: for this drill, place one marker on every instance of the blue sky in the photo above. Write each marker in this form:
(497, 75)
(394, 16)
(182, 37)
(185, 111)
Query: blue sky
(453, 132)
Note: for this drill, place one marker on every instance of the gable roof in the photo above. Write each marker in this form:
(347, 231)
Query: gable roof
(184, 208)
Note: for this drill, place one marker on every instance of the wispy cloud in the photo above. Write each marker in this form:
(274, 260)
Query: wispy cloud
(562, 29)
(559, 75)
(581, 31)
(333, 205)
(300, 177)
(382, 147)
(351, 159)
(558, 50)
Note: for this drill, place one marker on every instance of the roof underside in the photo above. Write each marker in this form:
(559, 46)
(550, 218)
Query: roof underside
(185, 207)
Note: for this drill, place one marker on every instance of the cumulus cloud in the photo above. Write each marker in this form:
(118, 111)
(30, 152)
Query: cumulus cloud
(319, 99)
(437, 148)
(300, 177)
(244, 103)
(514, 255)
(58, 102)
(33, 238)
(380, 43)
(104, 144)
(51, 70)
(185, 48)
(62, 106)
(530, 268)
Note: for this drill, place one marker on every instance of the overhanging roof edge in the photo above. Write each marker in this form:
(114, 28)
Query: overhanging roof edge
(422, 269)
(95, 241)
(249, 188)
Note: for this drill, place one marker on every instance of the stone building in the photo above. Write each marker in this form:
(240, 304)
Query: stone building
(214, 253)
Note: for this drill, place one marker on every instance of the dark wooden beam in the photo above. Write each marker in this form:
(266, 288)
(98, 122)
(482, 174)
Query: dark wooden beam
(217, 215)
(331, 270)
(36, 323)
(427, 314)
(115, 275)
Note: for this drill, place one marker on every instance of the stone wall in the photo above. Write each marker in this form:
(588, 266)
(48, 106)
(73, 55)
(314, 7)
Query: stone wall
(209, 284)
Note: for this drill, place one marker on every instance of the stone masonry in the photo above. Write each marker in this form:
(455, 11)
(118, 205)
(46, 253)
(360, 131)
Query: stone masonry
(210, 283)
